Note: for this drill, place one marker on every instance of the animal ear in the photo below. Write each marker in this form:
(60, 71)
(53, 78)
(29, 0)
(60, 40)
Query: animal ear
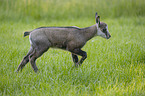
(97, 19)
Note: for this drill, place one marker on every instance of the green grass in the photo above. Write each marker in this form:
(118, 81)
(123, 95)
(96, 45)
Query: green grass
(114, 67)
(69, 9)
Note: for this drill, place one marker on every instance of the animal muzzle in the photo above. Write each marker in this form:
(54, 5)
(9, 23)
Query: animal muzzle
(108, 36)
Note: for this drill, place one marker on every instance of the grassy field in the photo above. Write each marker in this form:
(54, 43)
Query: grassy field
(114, 67)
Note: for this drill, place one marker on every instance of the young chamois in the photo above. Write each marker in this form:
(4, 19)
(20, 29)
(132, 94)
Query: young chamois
(71, 39)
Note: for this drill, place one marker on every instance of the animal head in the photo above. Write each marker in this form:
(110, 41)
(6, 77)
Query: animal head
(102, 28)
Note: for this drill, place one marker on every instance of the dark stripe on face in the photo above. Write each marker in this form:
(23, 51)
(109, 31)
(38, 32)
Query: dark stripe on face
(105, 31)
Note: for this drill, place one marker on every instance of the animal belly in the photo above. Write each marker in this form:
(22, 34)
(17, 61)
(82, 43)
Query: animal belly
(60, 45)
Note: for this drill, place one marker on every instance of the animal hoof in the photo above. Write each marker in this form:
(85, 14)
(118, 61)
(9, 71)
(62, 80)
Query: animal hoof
(16, 71)
(77, 65)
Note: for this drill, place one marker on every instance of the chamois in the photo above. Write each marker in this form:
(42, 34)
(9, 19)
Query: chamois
(71, 39)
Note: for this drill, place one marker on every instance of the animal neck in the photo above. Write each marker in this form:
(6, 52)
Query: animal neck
(90, 32)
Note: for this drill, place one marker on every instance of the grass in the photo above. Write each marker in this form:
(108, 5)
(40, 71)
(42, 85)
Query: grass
(58, 10)
(114, 67)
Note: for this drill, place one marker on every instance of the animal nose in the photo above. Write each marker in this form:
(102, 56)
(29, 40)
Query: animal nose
(108, 36)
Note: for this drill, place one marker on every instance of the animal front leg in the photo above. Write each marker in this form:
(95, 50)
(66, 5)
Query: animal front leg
(81, 53)
(74, 58)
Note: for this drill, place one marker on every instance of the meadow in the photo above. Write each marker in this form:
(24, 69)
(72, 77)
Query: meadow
(114, 67)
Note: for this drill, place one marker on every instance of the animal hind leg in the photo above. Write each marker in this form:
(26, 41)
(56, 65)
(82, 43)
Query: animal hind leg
(32, 59)
(25, 60)
(36, 54)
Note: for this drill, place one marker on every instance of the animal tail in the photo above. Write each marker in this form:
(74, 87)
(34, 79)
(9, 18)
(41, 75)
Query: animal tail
(26, 33)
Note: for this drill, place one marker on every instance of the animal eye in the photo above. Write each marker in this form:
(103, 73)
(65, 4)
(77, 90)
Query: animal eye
(104, 30)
